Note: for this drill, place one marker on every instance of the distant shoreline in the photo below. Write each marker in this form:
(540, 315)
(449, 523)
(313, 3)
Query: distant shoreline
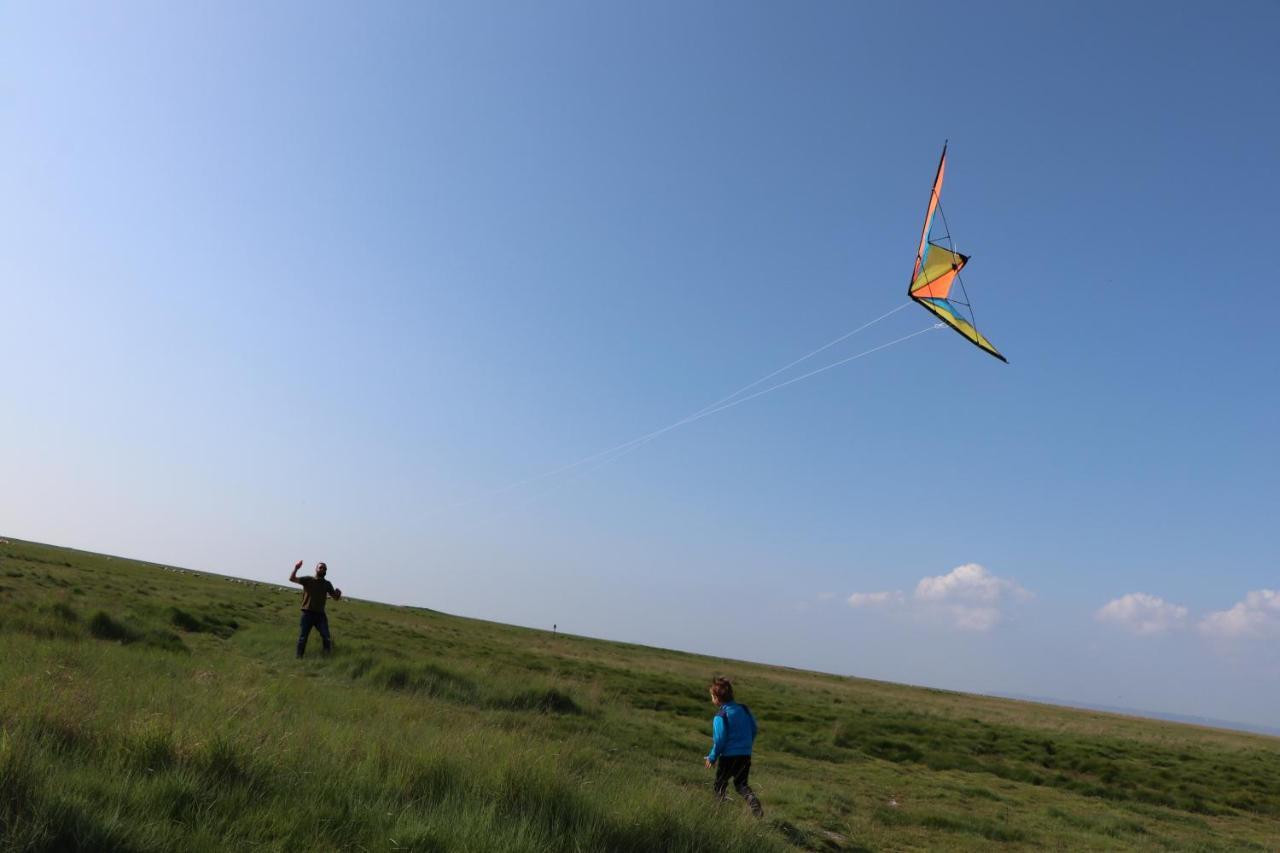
(1207, 722)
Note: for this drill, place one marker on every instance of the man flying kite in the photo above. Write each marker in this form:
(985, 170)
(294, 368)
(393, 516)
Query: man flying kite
(315, 592)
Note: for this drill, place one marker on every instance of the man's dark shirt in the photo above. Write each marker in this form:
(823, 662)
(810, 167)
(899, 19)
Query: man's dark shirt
(315, 591)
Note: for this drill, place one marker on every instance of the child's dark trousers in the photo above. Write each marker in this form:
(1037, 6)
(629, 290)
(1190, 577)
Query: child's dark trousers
(737, 768)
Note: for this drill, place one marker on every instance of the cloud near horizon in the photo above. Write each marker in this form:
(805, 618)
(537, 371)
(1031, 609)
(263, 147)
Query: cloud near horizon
(875, 599)
(1256, 617)
(1143, 614)
(968, 597)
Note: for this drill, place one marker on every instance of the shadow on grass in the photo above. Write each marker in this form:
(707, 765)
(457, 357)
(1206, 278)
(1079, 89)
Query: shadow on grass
(548, 701)
(437, 682)
(104, 627)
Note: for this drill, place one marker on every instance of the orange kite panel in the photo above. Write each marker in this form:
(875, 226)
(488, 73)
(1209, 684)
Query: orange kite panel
(939, 288)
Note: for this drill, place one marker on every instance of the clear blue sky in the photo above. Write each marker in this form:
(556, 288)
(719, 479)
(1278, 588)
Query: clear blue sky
(315, 280)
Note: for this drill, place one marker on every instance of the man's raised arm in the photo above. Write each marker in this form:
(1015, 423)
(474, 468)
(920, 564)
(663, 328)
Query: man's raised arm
(293, 576)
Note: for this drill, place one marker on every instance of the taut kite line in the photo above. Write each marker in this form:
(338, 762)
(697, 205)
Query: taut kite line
(937, 270)
(935, 274)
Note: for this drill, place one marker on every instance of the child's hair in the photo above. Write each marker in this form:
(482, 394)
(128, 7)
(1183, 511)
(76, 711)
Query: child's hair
(722, 689)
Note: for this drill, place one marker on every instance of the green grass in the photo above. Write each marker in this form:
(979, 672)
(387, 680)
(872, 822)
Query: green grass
(148, 709)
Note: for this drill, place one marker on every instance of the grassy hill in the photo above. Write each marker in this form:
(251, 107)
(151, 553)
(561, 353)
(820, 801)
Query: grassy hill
(146, 708)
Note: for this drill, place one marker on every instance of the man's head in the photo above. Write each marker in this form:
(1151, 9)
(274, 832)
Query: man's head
(321, 569)
(721, 690)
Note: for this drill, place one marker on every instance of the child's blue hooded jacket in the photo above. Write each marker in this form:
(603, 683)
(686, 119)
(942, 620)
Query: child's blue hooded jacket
(734, 730)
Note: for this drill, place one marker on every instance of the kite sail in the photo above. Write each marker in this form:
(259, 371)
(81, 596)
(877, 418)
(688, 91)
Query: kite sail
(937, 272)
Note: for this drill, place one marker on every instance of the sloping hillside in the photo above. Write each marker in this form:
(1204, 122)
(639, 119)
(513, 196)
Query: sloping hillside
(147, 708)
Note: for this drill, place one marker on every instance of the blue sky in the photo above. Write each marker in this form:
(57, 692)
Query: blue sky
(312, 281)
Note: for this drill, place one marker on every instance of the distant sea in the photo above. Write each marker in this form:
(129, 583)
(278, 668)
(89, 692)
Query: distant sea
(1150, 715)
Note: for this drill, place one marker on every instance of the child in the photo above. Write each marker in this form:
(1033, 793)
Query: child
(734, 730)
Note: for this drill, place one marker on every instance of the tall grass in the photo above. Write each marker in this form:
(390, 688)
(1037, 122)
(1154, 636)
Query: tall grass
(152, 710)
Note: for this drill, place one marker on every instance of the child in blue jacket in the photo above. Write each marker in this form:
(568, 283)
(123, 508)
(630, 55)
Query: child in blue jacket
(734, 731)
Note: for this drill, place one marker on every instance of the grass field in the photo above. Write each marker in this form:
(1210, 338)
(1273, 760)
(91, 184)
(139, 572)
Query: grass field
(150, 709)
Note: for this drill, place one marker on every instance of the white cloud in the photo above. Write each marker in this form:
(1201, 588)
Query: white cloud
(874, 599)
(1141, 613)
(1258, 615)
(969, 596)
(970, 582)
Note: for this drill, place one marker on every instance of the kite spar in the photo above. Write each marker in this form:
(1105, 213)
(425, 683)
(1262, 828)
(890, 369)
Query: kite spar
(937, 271)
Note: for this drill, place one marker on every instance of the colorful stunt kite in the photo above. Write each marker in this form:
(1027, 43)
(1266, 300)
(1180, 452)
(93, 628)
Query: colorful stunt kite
(937, 272)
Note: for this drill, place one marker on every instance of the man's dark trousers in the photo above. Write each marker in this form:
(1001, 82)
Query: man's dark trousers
(313, 619)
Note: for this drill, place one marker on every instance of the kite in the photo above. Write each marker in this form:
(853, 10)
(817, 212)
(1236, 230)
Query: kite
(937, 271)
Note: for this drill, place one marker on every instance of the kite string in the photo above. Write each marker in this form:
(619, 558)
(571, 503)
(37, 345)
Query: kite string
(636, 444)
(828, 345)
(626, 446)
(720, 405)
(811, 373)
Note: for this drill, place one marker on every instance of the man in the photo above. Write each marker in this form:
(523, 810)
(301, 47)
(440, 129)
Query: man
(315, 591)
